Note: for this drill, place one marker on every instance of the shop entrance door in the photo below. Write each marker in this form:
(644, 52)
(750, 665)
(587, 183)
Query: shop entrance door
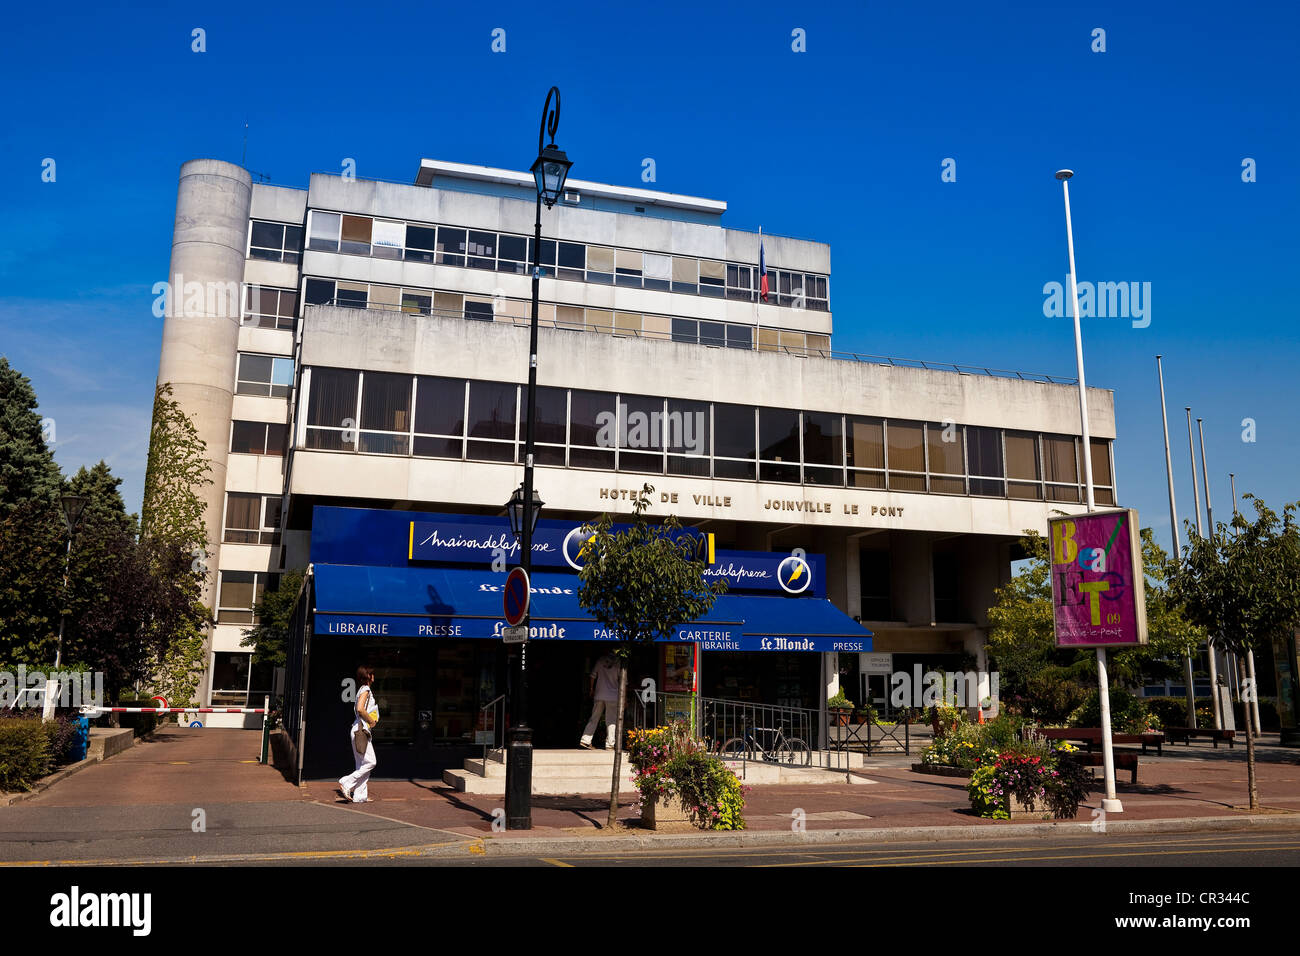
(559, 677)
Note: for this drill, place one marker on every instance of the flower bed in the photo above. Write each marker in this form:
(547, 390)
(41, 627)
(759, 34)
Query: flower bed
(1034, 777)
(668, 763)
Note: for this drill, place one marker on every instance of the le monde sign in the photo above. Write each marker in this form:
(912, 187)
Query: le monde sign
(1098, 589)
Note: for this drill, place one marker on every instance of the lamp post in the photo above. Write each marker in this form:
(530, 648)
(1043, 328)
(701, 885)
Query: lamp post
(1111, 803)
(73, 506)
(550, 170)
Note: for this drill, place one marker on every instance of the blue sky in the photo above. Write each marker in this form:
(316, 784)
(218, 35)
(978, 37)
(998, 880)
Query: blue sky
(842, 143)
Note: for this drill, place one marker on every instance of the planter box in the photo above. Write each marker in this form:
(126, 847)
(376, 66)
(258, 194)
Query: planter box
(1020, 812)
(939, 770)
(669, 810)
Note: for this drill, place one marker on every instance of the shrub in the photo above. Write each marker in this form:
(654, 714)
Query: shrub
(986, 797)
(667, 761)
(1049, 779)
(1128, 714)
(25, 752)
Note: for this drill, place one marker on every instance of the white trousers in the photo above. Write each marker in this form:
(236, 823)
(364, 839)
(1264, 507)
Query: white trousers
(355, 782)
(608, 707)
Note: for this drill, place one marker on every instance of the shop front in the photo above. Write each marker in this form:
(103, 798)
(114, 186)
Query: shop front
(419, 597)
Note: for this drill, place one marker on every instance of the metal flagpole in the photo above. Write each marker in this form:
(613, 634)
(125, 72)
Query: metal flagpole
(1200, 532)
(757, 280)
(1173, 527)
(1230, 660)
(1111, 803)
(1253, 718)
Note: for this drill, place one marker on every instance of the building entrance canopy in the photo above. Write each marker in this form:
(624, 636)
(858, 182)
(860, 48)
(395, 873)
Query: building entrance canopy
(454, 603)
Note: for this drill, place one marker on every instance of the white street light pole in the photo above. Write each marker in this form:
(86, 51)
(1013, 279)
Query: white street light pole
(1111, 803)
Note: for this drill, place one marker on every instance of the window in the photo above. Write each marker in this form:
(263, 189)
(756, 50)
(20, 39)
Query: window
(740, 337)
(482, 249)
(778, 442)
(550, 424)
(1022, 464)
(628, 271)
(439, 417)
(387, 238)
(417, 301)
(686, 330)
(492, 421)
(274, 241)
(641, 429)
(385, 413)
(734, 438)
(353, 294)
(252, 518)
(572, 261)
(588, 412)
(238, 593)
(1102, 491)
(740, 283)
(421, 243)
(355, 239)
(548, 255)
(600, 265)
(263, 375)
(866, 450)
(984, 454)
(230, 670)
(512, 253)
(257, 438)
(324, 231)
(332, 409)
(944, 442)
(823, 444)
(270, 308)
(319, 292)
(451, 246)
(687, 435)
(658, 271)
(713, 278)
(1060, 463)
(686, 274)
(713, 333)
(873, 578)
(906, 456)
(478, 310)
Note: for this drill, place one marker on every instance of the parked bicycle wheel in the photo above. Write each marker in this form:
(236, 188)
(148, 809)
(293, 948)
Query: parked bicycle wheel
(733, 749)
(794, 752)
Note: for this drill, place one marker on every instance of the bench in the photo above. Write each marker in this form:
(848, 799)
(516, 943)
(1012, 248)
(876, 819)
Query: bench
(1091, 736)
(1185, 734)
(1124, 760)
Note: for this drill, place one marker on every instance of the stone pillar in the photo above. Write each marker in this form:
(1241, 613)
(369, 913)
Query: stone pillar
(200, 338)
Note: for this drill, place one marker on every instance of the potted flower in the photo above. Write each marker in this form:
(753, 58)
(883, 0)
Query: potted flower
(842, 707)
(679, 781)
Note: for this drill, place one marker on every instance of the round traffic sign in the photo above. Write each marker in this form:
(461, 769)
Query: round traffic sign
(515, 596)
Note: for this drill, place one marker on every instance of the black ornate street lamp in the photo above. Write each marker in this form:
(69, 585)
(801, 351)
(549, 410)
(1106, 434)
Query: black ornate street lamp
(515, 508)
(550, 170)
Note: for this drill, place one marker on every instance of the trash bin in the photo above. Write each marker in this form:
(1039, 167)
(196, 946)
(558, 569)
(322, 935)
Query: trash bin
(81, 743)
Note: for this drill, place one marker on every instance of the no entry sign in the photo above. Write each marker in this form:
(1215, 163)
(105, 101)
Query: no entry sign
(515, 596)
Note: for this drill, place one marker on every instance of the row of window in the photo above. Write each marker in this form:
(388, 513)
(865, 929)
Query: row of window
(505, 252)
(434, 417)
(364, 295)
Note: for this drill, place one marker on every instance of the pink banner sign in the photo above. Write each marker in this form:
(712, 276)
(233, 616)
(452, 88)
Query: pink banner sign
(1098, 592)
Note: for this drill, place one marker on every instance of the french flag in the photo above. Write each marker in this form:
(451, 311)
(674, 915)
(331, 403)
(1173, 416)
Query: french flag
(762, 272)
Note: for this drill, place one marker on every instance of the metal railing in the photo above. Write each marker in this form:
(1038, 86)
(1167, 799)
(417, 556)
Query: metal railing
(861, 731)
(836, 354)
(492, 719)
(745, 731)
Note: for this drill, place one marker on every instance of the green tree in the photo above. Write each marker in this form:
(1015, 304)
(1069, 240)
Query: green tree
(28, 472)
(171, 522)
(270, 635)
(1055, 681)
(1242, 584)
(642, 583)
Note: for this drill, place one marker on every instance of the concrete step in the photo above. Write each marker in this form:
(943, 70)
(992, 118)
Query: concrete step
(467, 782)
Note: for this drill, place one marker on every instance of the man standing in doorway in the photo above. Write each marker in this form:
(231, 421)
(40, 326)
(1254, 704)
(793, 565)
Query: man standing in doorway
(604, 687)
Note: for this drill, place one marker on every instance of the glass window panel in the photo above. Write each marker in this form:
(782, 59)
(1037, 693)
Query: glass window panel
(686, 330)
(945, 442)
(823, 476)
(243, 513)
(288, 304)
(713, 270)
(628, 262)
(1024, 489)
(356, 235)
(627, 322)
(386, 401)
(333, 397)
(1103, 496)
(685, 269)
(588, 412)
(437, 447)
(573, 255)
(320, 291)
(275, 438)
(513, 247)
(324, 231)
(271, 514)
(490, 451)
(641, 424)
(269, 235)
(788, 474)
(713, 333)
(417, 302)
(238, 589)
(421, 241)
(591, 458)
(1059, 460)
(823, 437)
(451, 246)
(740, 337)
(479, 310)
(548, 252)
(984, 452)
(1064, 493)
(321, 439)
(601, 320)
(385, 296)
(658, 270)
(948, 486)
(569, 317)
(899, 482)
(449, 303)
(687, 427)
(698, 467)
(778, 435)
(867, 479)
(492, 413)
(640, 461)
(733, 431)
(550, 415)
(353, 294)
(905, 449)
(1100, 463)
(376, 443)
(600, 258)
(793, 341)
(995, 487)
(281, 376)
(482, 249)
(248, 438)
(821, 343)
(254, 368)
(439, 406)
(388, 238)
(743, 470)
(768, 340)
(1022, 456)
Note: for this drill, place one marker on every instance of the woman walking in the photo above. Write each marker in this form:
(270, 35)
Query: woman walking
(363, 748)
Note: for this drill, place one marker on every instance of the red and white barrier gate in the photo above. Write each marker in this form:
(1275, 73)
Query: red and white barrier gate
(92, 711)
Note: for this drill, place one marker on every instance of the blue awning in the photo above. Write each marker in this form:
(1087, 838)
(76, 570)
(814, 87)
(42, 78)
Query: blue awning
(452, 603)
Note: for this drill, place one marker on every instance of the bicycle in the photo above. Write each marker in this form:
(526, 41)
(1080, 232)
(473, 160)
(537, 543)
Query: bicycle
(783, 749)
